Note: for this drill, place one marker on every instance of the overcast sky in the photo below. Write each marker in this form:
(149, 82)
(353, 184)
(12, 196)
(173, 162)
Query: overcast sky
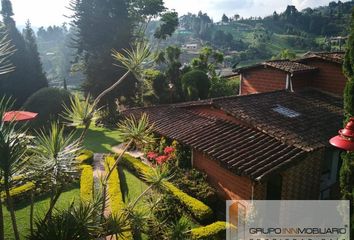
(50, 12)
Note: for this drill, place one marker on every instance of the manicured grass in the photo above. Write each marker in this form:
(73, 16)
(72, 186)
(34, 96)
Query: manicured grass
(131, 186)
(41, 206)
(101, 140)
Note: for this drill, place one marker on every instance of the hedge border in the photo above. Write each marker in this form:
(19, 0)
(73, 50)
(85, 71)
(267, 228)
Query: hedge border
(17, 191)
(198, 209)
(86, 183)
(85, 157)
(214, 230)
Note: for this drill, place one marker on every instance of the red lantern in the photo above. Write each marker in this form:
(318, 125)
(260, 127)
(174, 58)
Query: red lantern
(345, 139)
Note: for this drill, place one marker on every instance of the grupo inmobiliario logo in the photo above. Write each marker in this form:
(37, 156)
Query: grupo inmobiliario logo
(288, 220)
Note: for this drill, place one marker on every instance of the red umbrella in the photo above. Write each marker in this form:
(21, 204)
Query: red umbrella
(345, 139)
(19, 116)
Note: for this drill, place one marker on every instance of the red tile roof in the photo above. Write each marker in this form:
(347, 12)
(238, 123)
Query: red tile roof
(242, 150)
(277, 129)
(283, 65)
(336, 57)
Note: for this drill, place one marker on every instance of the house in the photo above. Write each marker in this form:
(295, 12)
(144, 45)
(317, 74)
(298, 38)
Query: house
(270, 145)
(315, 70)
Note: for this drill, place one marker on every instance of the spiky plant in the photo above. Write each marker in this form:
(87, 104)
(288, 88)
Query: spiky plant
(54, 155)
(13, 146)
(81, 113)
(6, 50)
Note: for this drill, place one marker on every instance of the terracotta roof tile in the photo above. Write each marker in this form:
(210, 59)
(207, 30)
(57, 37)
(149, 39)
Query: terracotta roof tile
(289, 66)
(235, 147)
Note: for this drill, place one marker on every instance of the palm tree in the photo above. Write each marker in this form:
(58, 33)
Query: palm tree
(54, 156)
(13, 146)
(83, 113)
(6, 50)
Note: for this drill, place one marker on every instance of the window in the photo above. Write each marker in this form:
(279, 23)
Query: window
(287, 112)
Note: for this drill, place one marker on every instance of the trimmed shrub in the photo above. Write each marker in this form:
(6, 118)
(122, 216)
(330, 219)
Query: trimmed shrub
(215, 230)
(114, 192)
(198, 209)
(86, 183)
(20, 192)
(48, 103)
(115, 195)
(85, 157)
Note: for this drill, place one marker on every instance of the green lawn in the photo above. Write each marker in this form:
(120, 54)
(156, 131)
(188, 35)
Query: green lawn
(101, 140)
(41, 205)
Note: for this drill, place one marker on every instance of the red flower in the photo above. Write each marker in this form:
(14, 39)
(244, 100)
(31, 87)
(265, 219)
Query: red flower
(168, 150)
(151, 155)
(161, 159)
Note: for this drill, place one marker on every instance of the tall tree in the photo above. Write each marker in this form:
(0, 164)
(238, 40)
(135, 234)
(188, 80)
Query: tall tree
(22, 83)
(35, 65)
(102, 26)
(347, 170)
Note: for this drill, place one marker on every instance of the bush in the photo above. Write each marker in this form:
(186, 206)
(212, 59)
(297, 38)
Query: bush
(48, 103)
(198, 209)
(115, 195)
(20, 192)
(114, 192)
(85, 157)
(86, 183)
(215, 230)
(195, 184)
(195, 85)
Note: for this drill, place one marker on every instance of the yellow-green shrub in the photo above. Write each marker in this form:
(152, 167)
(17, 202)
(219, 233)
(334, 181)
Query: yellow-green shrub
(18, 191)
(215, 230)
(85, 157)
(116, 202)
(86, 183)
(197, 208)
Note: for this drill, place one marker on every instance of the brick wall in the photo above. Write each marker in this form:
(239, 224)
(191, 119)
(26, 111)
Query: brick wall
(228, 185)
(329, 78)
(262, 80)
(302, 181)
(302, 80)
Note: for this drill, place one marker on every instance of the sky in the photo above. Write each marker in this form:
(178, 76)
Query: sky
(51, 12)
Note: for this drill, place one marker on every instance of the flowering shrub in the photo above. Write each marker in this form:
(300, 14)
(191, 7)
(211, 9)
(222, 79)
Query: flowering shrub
(161, 159)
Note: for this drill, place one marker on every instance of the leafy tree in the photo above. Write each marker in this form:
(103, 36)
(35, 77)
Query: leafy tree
(195, 85)
(207, 60)
(347, 170)
(169, 23)
(224, 18)
(285, 54)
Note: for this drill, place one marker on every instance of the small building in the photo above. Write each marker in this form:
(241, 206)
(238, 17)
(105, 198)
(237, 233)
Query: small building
(270, 145)
(315, 70)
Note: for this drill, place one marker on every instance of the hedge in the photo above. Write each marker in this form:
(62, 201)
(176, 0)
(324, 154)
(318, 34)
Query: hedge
(197, 208)
(86, 183)
(85, 157)
(17, 192)
(215, 230)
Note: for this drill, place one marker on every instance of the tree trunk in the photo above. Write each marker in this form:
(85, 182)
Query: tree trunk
(11, 210)
(52, 204)
(2, 236)
(97, 100)
(31, 212)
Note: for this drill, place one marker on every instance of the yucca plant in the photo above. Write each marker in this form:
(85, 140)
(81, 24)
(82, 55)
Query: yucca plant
(13, 146)
(6, 50)
(54, 155)
(81, 113)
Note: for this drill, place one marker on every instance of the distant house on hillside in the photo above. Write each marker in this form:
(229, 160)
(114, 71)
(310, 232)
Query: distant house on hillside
(315, 70)
(270, 145)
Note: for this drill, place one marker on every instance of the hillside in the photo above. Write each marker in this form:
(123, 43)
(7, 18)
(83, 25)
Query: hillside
(246, 41)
